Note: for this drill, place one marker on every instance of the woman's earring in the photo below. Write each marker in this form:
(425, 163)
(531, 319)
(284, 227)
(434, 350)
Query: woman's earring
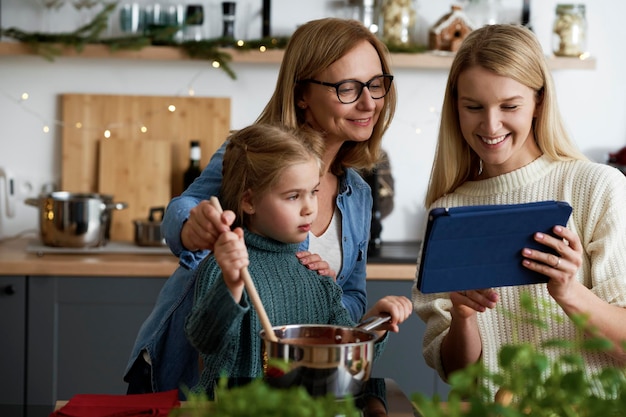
(480, 167)
(302, 105)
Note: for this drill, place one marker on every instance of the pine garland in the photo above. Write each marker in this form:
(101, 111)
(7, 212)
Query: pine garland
(51, 45)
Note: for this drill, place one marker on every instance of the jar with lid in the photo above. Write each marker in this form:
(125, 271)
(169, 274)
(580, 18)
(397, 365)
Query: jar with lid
(398, 19)
(570, 30)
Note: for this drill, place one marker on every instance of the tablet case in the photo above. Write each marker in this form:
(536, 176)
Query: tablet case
(475, 247)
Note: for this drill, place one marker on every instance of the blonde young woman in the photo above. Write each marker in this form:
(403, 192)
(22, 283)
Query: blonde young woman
(502, 141)
(336, 79)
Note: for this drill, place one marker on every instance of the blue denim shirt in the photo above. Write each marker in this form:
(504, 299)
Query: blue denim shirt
(174, 361)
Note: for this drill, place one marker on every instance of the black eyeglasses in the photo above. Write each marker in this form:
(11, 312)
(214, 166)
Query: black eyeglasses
(349, 91)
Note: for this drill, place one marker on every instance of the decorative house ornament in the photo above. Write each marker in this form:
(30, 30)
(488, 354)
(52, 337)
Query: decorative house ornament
(450, 30)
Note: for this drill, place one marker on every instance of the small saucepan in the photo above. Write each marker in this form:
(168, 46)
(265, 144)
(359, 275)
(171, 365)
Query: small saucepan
(148, 232)
(325, 359)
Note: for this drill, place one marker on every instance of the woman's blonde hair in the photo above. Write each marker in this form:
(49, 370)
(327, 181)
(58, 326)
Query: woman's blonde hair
(510, 51)
(255, 158)
(312, 48)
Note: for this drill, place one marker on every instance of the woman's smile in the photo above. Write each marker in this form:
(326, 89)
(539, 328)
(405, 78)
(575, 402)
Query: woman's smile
(494, 140)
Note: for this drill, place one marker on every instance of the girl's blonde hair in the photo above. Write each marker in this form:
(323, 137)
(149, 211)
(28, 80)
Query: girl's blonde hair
(312, 48)
(255, 158)
(510, 51)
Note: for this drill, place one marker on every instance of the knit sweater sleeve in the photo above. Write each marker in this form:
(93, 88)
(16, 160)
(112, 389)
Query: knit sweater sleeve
(434, 310)
(215, 317)
(602, 229)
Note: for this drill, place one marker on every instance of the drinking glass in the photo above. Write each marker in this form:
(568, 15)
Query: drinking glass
(131, 16)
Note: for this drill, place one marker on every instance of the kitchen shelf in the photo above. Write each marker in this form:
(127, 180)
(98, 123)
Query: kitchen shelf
(425, 60)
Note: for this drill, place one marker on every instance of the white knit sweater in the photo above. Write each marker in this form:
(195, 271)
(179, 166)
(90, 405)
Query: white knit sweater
(597, 194)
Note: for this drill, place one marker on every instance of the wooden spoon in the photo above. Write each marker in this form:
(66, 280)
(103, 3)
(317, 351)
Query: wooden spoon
(252, 292)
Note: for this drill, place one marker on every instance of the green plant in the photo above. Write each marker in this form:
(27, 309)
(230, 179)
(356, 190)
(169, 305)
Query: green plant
(258, 399)
(529, 383)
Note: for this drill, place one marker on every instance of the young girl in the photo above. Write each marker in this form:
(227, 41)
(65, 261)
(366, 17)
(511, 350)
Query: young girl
(271, 179)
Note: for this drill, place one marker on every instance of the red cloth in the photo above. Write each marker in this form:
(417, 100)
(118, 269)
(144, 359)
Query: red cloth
(103, 405)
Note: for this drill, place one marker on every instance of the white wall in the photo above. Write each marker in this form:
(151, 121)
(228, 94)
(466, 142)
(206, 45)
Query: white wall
(593, 101)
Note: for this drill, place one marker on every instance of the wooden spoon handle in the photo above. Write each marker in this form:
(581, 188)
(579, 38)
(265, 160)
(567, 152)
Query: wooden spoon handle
(252, 292)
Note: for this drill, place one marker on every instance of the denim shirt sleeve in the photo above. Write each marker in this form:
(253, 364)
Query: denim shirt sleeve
(206, 185)
(355, 203)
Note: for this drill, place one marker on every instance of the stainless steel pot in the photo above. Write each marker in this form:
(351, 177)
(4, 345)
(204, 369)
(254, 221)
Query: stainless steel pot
(325, 359)
(148, 232)
(75, 220)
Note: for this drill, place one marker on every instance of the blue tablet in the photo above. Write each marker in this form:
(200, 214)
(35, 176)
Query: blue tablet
(475, 247)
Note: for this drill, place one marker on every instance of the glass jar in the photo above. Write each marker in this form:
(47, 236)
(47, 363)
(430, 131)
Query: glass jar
(365, 11)
(570, 30)
(398, 21)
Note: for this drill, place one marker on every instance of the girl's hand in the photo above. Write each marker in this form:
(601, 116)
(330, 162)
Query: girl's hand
(204, 225)
(315, 262)
(560, 268)
(398, 307)
(231, 255)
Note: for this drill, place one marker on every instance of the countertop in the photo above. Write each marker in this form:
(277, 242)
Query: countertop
(397, 261)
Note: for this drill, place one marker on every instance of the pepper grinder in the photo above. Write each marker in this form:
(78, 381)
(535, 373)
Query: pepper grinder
(228, 15)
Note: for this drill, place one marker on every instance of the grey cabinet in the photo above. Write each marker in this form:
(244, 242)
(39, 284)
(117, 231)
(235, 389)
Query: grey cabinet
(80, 332)
(402, 359)
(12, 339)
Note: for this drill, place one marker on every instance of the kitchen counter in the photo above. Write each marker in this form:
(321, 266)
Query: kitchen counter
(396, 262)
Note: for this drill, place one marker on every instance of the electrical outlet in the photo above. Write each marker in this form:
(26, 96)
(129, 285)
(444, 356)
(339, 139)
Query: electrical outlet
(27, 187)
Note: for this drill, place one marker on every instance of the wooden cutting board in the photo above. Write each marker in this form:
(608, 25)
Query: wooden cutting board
(131, 166)
(86, 118)
(141, 185)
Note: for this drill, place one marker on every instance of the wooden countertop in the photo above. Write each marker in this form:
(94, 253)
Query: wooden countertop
(16, 260)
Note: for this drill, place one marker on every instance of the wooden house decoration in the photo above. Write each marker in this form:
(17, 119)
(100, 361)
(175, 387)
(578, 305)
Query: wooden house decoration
(450, 30)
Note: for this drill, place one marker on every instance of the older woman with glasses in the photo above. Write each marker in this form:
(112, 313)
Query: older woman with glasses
(335, 78)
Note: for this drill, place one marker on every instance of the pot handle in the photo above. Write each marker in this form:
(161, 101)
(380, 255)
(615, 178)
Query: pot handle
(116, 206)
(155, 210)
(373, 322)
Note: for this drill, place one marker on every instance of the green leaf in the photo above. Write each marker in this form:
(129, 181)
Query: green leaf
(597, 343)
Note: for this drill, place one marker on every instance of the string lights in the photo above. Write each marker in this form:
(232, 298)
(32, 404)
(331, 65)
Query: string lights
(214, 50)
(106, 131)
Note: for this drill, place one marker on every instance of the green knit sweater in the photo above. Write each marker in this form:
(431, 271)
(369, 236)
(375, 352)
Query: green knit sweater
(227, 333)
